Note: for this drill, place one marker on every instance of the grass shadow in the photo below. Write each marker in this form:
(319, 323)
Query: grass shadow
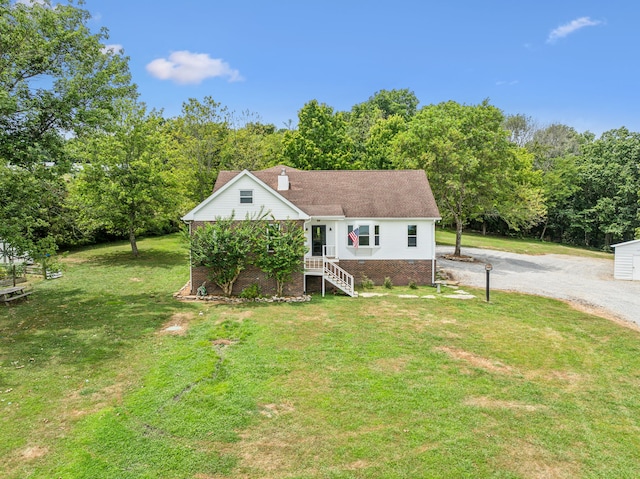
(149, 258)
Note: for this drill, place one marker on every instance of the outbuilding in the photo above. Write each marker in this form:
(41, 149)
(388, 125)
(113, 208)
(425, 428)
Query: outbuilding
(627, 260)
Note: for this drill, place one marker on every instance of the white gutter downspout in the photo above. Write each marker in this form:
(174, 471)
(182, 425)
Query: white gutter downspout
(190, 261)
(433, 271)
(433, 257)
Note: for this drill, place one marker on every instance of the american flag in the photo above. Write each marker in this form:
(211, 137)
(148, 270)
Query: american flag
(353, 236)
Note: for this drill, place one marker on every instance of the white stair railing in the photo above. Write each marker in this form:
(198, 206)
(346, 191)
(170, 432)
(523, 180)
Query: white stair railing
(338, 277)
(327, 266)
(329, 251)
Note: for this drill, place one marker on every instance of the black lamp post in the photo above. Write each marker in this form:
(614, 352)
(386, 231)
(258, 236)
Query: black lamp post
(488, 267)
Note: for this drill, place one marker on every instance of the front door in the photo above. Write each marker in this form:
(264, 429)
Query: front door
(318, 239)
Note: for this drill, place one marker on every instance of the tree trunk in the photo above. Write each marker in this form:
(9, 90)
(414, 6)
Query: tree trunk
(227, 288)
(544, 230)
(484, 228)
(132, 240)
(456, 252)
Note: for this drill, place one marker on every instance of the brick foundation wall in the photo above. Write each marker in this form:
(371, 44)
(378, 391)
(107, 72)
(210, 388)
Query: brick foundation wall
(248, 276)
(401, 271)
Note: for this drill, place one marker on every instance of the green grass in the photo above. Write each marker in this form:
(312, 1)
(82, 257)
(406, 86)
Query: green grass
(514, 245)
(335, 388)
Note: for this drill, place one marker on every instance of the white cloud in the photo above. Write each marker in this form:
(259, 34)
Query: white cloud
(114, 48)
(573, 26)
(185, 67)
(507, 83)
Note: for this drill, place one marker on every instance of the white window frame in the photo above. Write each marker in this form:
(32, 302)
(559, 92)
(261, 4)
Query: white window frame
(372, 238)
(413, 237)
(246, 195)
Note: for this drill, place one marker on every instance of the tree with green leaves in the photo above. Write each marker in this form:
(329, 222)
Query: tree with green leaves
(201, 133)
(280, 251)
(321, 141)
(472, 166)
(556, 149)
(403, 103)
(56, 79)
(125, 186)
(521, 128)
(224, 247)
(380, 142)
(607, 202)
(252, 145)
(363, 118)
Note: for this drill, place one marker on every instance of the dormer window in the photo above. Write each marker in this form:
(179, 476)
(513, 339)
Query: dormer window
(246, 197)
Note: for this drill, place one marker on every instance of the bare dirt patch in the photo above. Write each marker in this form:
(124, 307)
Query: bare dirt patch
(33, 452)
(178, 324)
(533, 462)
(570, 381)
(78, 407)
(354, 466)
(234, 315)
(274, 453)
(488, 403)
(391, 365)
(477, 361)
(273, 410)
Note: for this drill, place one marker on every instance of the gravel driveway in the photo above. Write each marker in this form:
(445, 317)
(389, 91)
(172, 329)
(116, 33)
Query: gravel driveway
(586, 281)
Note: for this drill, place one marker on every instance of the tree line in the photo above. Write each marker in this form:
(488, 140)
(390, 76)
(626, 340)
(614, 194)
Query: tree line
(82, 160)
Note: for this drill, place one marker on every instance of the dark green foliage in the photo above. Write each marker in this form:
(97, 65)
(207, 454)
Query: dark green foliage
(224, 247)
(125, 185)
(472, 166)
(280, 251)
(366, 282)
(321, 141)
(55, 79)
(252, 291)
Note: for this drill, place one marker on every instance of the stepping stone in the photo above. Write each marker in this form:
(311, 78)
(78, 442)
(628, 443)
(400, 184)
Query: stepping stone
(459, 296)
(408, 296)
(372, 295)
(428, 296)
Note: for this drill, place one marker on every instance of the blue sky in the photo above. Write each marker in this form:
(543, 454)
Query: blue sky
(572, 62)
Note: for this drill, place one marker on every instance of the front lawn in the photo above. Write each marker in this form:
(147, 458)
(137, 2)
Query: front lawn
(92, 384)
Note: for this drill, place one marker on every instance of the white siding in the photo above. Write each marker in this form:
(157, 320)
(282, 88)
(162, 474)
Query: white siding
(393, 239)
(625, 253)
(228, 202)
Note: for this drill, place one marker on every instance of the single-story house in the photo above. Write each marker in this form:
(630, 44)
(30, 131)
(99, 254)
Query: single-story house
(627, 260)
(357, 223)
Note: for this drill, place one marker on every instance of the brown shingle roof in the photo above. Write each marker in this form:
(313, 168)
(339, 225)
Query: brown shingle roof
(354, 193)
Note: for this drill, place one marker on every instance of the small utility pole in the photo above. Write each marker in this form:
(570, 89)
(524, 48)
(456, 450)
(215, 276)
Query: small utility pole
(488, 267)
